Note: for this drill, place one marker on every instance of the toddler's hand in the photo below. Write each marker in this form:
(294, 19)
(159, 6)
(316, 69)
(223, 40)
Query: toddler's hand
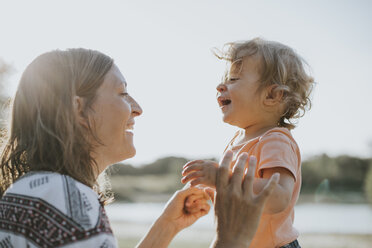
(196, 203)
(200, 172)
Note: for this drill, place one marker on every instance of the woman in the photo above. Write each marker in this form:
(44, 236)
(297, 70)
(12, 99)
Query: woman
(72, 117)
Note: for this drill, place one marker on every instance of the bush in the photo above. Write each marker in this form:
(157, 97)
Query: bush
(368, 184)
(343, 173)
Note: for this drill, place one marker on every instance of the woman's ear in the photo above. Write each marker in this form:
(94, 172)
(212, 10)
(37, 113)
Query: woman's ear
(273, 95)
(78, 109)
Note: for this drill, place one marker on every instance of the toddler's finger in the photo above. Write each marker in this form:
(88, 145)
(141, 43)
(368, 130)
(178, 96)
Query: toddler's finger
(191, 199)
(195, 197)
(182, 194)
(193, 167)
(191, 176)
(201, 213)
(200, 201)
(200, 181)
(205, 207)
(198, 208)
(192, 162)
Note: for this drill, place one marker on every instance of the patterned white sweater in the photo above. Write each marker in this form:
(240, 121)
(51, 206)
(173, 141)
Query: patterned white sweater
(46, 209)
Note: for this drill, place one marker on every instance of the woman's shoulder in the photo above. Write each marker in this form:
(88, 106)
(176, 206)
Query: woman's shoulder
(58, 193)
(53, 210)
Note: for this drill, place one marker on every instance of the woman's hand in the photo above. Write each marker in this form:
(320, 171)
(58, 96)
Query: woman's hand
(237, 209)
(185, 207)
(182, 210)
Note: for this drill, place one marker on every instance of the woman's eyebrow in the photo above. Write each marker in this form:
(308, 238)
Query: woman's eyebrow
(120, 84)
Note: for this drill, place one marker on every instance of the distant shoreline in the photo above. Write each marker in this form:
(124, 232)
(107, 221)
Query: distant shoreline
(336, 198)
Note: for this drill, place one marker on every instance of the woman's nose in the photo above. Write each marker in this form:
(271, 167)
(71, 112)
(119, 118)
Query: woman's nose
(221, 88)
(136, 108)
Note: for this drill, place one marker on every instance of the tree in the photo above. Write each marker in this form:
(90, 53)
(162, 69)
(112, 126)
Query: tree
(4, 98)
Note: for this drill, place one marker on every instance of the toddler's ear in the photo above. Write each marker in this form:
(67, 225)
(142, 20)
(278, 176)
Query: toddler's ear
(273, 95)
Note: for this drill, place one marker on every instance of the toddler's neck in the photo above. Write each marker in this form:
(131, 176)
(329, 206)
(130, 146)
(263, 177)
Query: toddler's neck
(252, 132)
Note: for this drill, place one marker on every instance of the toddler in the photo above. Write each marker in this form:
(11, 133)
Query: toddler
(265, 88)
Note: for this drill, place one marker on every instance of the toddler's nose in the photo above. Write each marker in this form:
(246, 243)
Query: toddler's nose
(221, 88)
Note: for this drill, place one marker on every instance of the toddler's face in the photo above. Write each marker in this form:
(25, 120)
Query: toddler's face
(238, 97)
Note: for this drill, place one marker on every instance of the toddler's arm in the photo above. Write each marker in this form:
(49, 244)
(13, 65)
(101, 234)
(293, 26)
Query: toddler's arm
(204, 172)
(281, 197)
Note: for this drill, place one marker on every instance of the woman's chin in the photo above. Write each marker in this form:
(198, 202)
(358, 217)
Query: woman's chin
(129, 153)
(133, 153)
(123, 154)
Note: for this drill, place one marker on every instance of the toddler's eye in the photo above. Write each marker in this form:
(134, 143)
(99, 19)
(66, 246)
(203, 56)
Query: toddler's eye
(232, 80)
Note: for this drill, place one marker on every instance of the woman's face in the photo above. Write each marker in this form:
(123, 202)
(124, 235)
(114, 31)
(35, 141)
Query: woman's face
(113, 120)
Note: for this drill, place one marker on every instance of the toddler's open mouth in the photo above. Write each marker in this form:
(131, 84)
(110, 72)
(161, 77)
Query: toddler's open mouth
(222, 101)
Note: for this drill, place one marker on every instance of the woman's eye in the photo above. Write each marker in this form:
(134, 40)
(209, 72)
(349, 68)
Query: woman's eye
(124, 94)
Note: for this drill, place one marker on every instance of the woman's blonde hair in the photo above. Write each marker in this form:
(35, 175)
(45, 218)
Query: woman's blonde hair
(44, 132)
(280, 65)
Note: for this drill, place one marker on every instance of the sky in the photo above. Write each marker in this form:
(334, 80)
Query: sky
(163, 48)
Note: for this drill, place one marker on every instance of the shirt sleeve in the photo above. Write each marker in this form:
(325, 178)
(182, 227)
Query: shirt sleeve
(277, 150)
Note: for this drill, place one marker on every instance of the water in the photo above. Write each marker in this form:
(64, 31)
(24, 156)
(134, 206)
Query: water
(309, 218)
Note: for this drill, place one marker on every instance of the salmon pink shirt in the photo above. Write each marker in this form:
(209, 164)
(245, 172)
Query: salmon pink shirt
(274, 149)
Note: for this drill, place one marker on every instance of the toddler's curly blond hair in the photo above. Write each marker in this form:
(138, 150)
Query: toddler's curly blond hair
(279, 64)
